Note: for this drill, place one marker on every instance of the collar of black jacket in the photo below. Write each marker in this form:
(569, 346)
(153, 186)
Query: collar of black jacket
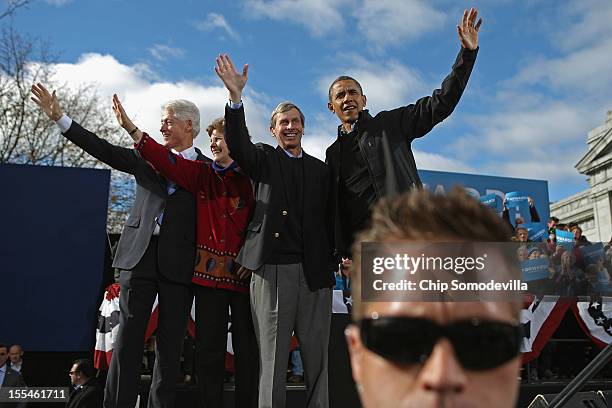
(364, 117)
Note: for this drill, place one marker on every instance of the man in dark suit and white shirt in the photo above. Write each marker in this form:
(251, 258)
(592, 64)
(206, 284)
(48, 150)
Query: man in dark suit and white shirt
(287, 245)
(9, 377)
(16, 359)
(156, 252)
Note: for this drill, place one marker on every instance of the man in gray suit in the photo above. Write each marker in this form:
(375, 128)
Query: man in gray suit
(156, 252)
(287, 245)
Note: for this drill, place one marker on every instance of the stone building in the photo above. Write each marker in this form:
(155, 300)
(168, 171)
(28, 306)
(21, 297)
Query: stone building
(592, 208)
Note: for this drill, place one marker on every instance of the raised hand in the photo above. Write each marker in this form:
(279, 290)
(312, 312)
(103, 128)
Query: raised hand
(468, 29)
(233, 81)
(124, 121)
(122, 117)
(48, 102)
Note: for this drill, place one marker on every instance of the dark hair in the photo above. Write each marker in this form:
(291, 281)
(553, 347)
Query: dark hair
(2, 345)
(84, 366)
(555, 219)
(343, 78)
(217, 125)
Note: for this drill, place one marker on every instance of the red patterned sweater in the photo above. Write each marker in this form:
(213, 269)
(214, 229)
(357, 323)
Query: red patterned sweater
(224, 200)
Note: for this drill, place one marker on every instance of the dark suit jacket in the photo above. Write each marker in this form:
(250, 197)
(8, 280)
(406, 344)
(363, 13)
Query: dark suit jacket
(176, 248)
(12, 378)
(262, 163)
(24, 371)
(89, 396)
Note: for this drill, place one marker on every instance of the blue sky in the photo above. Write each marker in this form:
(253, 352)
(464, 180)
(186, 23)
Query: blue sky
(542, 80)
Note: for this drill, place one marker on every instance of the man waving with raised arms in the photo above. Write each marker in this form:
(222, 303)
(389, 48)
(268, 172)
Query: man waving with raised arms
(286, 245)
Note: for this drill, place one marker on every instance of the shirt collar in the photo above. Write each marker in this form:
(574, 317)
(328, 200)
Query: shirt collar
(3, 368)
(189, 153)
(292, 156)
(342, 131)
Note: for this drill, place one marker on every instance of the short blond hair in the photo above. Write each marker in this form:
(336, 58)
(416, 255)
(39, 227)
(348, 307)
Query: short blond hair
(419, 215)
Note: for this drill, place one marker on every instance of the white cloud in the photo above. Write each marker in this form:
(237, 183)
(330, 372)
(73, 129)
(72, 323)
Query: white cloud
(586, 70)
(434, 161)
(587, 21)
(58, 3)
(385, 22)
(217, 21)
(318, 16)
(162, 52)
(142, 94)
(381, 22)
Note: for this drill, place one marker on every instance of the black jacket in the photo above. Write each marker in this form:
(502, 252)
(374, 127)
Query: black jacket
(402, 126)
(176, 247)
(90, 395)
(263, 164)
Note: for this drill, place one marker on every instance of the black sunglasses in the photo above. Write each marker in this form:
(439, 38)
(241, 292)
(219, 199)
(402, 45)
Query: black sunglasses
(478, 344)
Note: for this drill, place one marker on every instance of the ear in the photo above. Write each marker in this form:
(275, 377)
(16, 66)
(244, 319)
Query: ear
(272, 132)
(355, 348)
(365, 101)
(189, 126)
(330, 107)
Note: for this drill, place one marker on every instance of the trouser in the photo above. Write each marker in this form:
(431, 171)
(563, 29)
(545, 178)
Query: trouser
(281, 303)
(139, 287)
(211, 343)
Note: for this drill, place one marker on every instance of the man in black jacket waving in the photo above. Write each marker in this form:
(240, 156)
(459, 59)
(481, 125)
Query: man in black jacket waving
(357, 168)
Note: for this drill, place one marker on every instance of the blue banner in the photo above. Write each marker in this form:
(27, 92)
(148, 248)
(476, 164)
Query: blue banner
(538, 231)
(517, 203)
(479, 185)
(565, 238)
(534, 269)
(493, 201)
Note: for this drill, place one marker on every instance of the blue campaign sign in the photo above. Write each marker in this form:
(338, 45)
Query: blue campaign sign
(534, 269)
(565, 238)
(538, 231)
(493, 201)
(480, 185)
(517, 203)
(592, 253)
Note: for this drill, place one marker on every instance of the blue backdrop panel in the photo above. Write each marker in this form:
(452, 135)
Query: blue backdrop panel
(478, 185)
(52, 255)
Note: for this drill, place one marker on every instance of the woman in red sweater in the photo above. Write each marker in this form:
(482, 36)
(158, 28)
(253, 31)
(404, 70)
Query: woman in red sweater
(224, 200)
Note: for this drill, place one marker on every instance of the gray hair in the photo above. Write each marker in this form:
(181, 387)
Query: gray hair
(285, 107)
(185, 110)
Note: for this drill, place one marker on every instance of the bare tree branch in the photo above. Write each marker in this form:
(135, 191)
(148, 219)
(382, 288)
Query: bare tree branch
(27, 136)
(11, 6)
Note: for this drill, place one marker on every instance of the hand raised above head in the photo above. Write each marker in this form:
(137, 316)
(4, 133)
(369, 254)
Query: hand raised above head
(46, 101)
(233, 81)
(124, 120)
(468, 29)
(122, 117)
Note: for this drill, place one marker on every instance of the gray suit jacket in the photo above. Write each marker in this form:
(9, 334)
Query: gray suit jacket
(176, 247)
